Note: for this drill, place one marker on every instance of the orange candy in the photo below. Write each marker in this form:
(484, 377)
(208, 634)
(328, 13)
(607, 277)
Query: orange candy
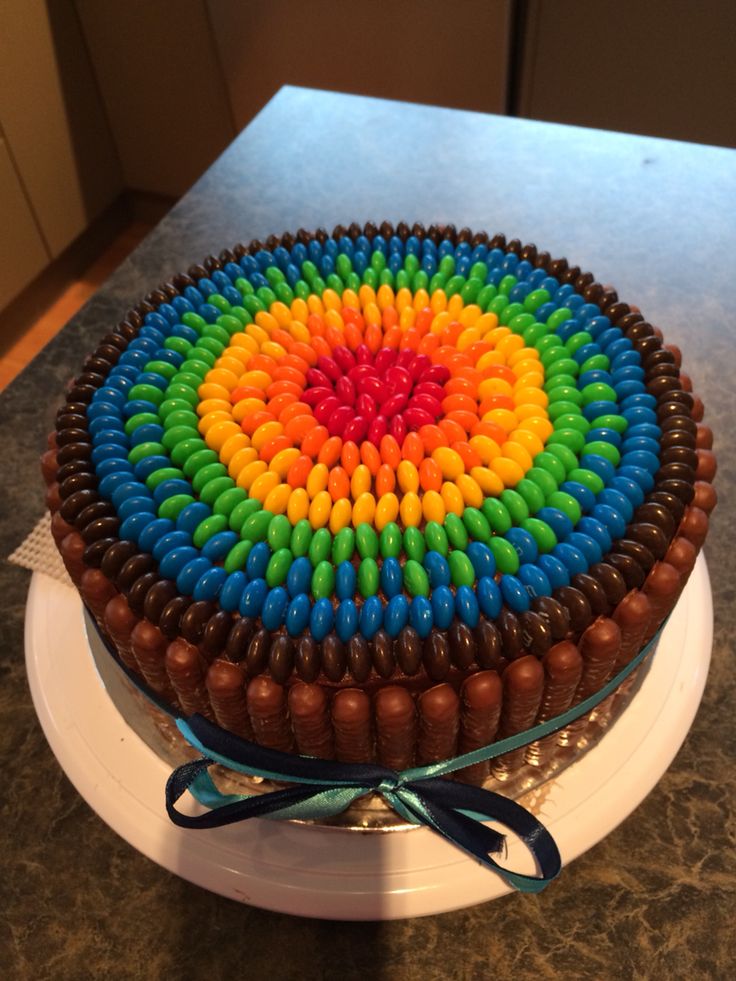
(459, 401)
(338, 484)
(305, 352)
(293, 409)
(273, 446)
(430, 475)
(284, 372)
(390, 451)
(313, 441)
(278, 404)
(432, 437)
(330, 451)
(466, 420)
(413, 448)
(452, 430)
(350, 457)
(373, 338)
(299, 471)
(467, 454)
(370, 456)
(298, 427)
(385, 479)
(321, 347)
(252, 422)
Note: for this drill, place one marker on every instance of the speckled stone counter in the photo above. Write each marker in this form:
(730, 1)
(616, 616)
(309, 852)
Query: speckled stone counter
(656, 898)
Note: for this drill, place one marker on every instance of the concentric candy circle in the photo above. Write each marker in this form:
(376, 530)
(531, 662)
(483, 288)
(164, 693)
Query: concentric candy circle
(360, 434)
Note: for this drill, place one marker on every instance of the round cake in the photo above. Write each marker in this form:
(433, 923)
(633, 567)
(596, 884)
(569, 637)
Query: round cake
(389, 494)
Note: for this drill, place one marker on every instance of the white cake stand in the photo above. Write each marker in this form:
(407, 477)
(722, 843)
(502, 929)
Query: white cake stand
(334, 873)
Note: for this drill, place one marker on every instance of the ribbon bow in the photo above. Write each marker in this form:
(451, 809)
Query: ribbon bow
(324, 788)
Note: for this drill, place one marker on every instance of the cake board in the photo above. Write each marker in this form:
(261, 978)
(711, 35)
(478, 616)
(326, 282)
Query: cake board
(333, 873)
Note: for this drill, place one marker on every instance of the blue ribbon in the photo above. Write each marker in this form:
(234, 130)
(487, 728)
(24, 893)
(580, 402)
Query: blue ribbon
(323, 788)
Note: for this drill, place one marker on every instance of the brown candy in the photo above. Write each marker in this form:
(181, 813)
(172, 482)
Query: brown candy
(563, 668)
(439, 723)
(481, 699)
(97, 591)
(707, 465)
(408, 650)
(186, 669)
(396, 727)
(662, 588)
(384, 661)
(49, 466)
(307, 660)
(359, 658)
(334, 658)
(705, 496)
(599, 647)
(436, 656)
(156, 599)
(226, 688)
(119, 622)
(281, 658)
(310, 719)
(351, 723)
(523, 686)
(462, 645)
(694, 525)
(60, 528)
(72, 549)
(240, 636)
(488, 648)
(632, 617)
(266, 701)
(149, 645)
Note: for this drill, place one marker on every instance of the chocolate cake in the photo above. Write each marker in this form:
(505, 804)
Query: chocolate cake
(387, 495)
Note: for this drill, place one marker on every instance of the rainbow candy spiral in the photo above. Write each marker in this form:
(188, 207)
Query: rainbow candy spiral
(354, 435)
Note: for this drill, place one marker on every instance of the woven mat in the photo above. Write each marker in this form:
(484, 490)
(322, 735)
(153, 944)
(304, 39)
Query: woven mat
(38, 553)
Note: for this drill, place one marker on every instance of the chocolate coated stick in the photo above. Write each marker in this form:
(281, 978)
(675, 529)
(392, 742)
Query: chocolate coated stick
(351, 723)
(481, 699)
(310, 719)
(396, 727)
(226, 688)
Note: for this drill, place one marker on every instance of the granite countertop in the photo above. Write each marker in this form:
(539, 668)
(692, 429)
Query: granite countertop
(656, 897)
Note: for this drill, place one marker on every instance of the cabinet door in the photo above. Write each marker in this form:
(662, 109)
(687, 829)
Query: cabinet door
(22, 252)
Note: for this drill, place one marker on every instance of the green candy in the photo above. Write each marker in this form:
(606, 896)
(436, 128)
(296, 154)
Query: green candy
(588, 479)
(436, 537)
(182, 393)
(534, 333)
(188, 378)
(206, 474)
(557, 318)
(179, 344)
(219, 301)
(343, 546)
(615, 422)
(564, 454)
(180, 417)
(279, 532)
(210, 344)
(547, 343)
(193, 320)
(323, 578)
(541, 533)
(536, 298)
(301, 538)
(598, 392)
(520, 322)
(335, 283)
(256, 526)
(142, 450)
(577, 341)
(469, 293)
(218, 333)
(414, 544)
(564, 366)
(368, 578)
(320, 546)
(544, 481)
(343, 266)
(532, 495)
(479, 271)
(159, 476)
(457, 536)
(403, 280)
(564, 393)
(567, 504)
(486, 296)
(278, 567)
(596, 362)
(447, 265)
(437, 282)
(140, 419)
(390, 541)
(213, 488)
(253, 305)
(231, 324)
(510, 311)
(515, 505)
(243, 286)
(237, 556)
(163, 368)
(353, 282)
(378, 261)
(454, 285)
(549, 462)
(507, 559)
(182, 451)
(241, 512)
(507, 284)
(600, 448)
(462, 572)
(309, 270)
(228, 501)
(274, 275)
(172, 506)
(151, 393)
(202, 456)
(416, 581)
(476, 524)
(370, 277)
(498, 304)
(366, 541)
(571, 438)
(168, 406)
(284, 293)
(562, 408)
(207, 528)
(411, 263)
(572, 421)
(419, 281)
(497, 514)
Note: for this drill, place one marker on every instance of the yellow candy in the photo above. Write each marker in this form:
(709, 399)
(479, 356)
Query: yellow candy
(510, 344)
(496, 335)
(229, 364)
(300, 332)
(404, 300)
(263, 485)
(249, 473)
(410, 510)
(366, 295)
(438, 303)
(299, 310)
(455, 306)
(241, 459)
(273, 350)
(421, 300)
(489, 482)
(408, 477)
(350, 299)
(315, 305)
(246, 407)
(266, 432)
(508, 470)
(523, 354)
(245, 342)
(364, 509)
(278, 499)
(267, 321)
(433, 507)
(211, 390)
(232, 445)
(221, 431)
(531, 442)
(360, 482)
(469, 488)
(256, 379)
(517, 453)
(486, 448)
(493, 386)
(489, 358)
(340, 515)
(298, 506)
(469, 336)
(237, 352)
(387, 510)
(333, 319)
(281, 313)
(530, 379)
(407, 318)
(385, 296)
(331, 300)
(470, 316)
(319, 509)
(539, 425)
(317, 479)
(212, 418)
(440, 320)
(525, 364)
(486, 323)
(529, 411)
(372, 314)
(504, 418)
(452, 498)
(531, 396)
(281, 462)
(449, 461)
(259, 335)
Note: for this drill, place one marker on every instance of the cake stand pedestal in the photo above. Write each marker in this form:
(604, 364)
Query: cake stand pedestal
(334, 873)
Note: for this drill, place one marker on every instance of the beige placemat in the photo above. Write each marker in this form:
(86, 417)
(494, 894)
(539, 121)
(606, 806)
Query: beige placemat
(38, 552)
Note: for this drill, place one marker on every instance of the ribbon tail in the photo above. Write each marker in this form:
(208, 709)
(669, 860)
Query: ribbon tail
(456, 812)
